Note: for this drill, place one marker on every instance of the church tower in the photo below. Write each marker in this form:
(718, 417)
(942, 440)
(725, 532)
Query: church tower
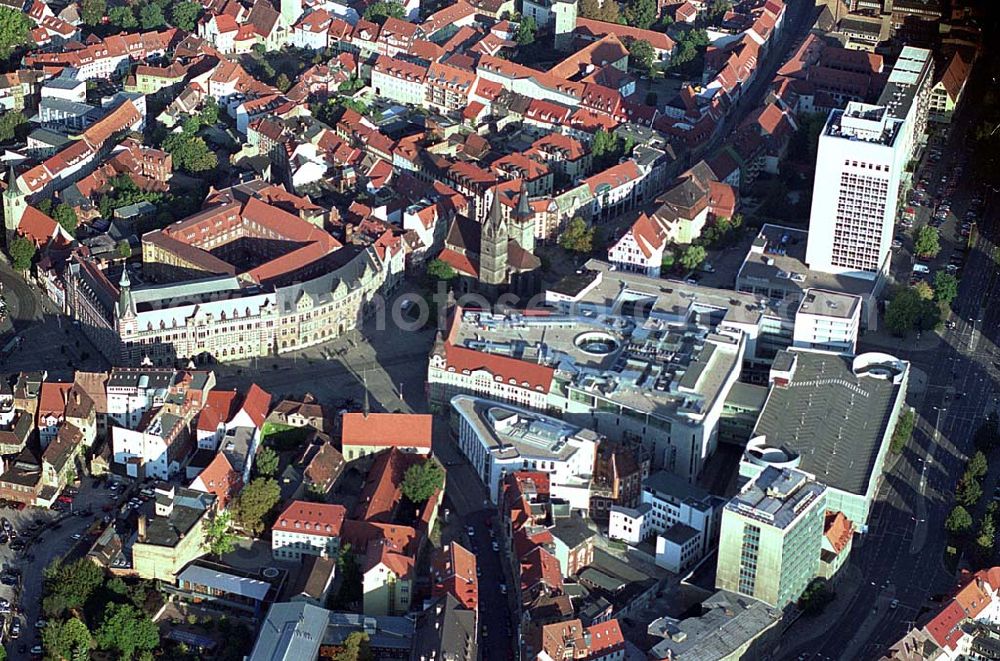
(493, 245)
(523, 229)
(15, 203)
(291, 10)
(126, 304)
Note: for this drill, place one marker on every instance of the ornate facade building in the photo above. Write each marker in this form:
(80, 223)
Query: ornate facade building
(246, 277)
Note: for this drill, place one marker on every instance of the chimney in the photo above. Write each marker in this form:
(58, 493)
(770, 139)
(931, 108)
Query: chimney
(142, 528)
(76, 397)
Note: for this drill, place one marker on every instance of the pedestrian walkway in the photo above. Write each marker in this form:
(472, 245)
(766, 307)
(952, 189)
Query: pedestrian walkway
(928, 340)
(803, 634)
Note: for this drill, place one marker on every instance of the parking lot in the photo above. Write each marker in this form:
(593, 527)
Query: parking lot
(931, 203)
(40, 536)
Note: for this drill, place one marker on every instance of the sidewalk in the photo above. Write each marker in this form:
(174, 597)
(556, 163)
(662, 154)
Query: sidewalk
(807, 629)
(928, 341)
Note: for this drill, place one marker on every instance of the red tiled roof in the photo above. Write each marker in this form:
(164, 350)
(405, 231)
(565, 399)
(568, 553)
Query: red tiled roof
(219, 478)
(361, 534)
(399, 430)
(459, 262)
(453, 571)
(721, 199)
(52, 399)
(614, 177)
(605, 637)
(535, 376)
(648, 234)
(257, 404)
(312, 519)
(608, 49)
(383, 486)
(658, 40)
(944, 628)
(36, 226)
(838, 530)
(540, 566)
(220, 406)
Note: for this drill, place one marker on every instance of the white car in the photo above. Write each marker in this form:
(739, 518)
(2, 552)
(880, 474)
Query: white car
(77, 536)
(471, 531)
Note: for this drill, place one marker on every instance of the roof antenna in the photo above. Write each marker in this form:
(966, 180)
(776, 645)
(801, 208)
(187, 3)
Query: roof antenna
(368, 407)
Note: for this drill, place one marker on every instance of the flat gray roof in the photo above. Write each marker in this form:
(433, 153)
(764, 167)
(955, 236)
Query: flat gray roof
(680, 533)
(291, 632)
(776, 497)
(510, 432)
(777, 260)
(728, 622)
(834, 419)
(231, 583)
(911, 69)
(678, 298)
(822, 302)
(673, 485)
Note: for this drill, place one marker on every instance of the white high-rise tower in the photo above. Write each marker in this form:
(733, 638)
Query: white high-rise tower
(858, 167)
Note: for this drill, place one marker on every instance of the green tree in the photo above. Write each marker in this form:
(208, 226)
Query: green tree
(67, 640)
(67, 586)
(578, 237)
(65, 216)
(124, 249)
(92, 11)
(639, 13)
(590, 9)
(605, 148)
(986, 538)
(969, 491)
(717, 10)
(669, 258)
(928, 242)
(609, 12)
(151, 17)
(255, 501)
(267, 462)
(219, 537)
(22, 253)
(945, 287)
(903, 311)
(440, 270)
(15, 31)
(282, 83)
(693, 256)
(903, 430)
(190, 153)
(356, 647)
(126, 630)
(642, 54)
(978, 466)
(421, 481)
(123, 17)
(209, 111)
(190, 125)
(930, 315)
(815, 597)
(184, 15)
(378, 11)
(526, 30)
(959, 521)
(13, 126)
(924, 291)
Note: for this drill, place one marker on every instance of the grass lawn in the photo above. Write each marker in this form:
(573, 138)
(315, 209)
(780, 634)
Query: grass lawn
(283, 438)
